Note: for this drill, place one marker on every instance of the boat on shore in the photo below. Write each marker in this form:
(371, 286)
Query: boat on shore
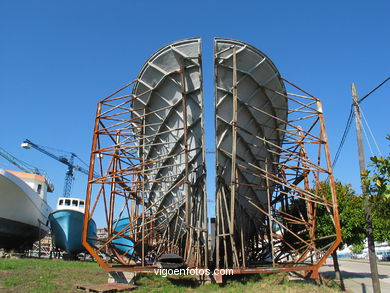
(66, 224)
(23, 210)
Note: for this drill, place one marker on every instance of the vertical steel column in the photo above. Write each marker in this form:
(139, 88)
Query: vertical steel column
(332, 185)
(188, 207)
(217, 229)
(185, 138)
(310, 205)
(143, 191)
(113, 187)
(270, 218)
(89, 189)
(204, 223)
(234, 144)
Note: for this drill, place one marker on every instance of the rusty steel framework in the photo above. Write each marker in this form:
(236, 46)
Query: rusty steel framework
(271, 153)
(148, 148)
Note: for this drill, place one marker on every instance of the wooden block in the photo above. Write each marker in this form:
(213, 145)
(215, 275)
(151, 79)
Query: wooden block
(107, 288)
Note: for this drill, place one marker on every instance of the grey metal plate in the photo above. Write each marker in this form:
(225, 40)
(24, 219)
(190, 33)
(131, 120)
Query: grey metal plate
(259, 107)
(159, 100)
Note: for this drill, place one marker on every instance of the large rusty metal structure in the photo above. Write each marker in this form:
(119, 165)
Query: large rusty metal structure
(148, 148)
(271, 153)
(270, 146)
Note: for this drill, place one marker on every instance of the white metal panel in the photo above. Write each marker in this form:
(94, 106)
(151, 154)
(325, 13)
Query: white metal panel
(159, 100)
(261, 103)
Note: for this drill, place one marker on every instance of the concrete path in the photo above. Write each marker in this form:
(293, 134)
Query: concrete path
(357, 276)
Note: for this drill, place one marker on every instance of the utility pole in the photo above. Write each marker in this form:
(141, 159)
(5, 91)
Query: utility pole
(367, 207)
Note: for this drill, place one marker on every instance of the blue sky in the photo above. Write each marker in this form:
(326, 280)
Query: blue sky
(58, 58)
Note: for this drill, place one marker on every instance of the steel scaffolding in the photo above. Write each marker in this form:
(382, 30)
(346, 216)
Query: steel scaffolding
(271, 154)
(148, 148)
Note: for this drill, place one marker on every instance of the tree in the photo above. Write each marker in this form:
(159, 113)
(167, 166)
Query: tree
(381, 218)
(351, 214)
(377, 182)
(376, 178)
(357, 248)
(352, 219)
(351, 207)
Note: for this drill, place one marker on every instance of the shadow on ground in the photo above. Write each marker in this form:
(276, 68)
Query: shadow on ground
(349, 275)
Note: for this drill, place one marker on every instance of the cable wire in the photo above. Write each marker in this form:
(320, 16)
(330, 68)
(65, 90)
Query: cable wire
(373, 90)
(349, 122)
(345, 134)
(368, 141)
(370, 131)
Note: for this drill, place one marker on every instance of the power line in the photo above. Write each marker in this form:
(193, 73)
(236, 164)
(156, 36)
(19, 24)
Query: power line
(382, 83)
(368, 141)
(345, 134)
(370, 131)
(349, 122)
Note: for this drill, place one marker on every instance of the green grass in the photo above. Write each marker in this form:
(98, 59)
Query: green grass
(43, 275)
(241, 284)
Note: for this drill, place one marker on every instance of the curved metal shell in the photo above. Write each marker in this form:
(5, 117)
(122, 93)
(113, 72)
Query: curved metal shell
(169, 99)
(261, 104)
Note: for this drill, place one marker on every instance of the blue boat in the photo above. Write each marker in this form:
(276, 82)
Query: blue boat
(67, 226)
(122, 243)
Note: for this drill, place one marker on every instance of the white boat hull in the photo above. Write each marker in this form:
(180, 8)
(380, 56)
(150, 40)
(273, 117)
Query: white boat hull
(23, 212)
